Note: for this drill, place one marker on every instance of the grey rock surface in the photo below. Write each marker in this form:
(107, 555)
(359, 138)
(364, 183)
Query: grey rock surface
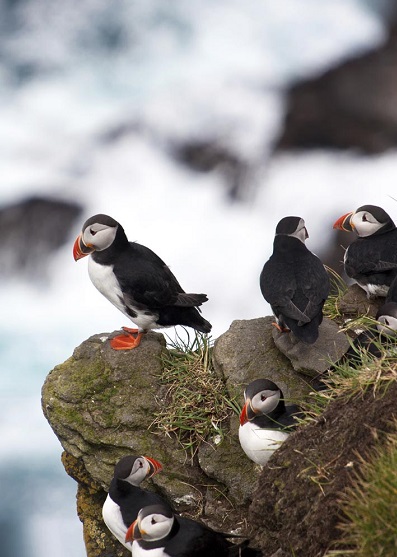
(313, 359)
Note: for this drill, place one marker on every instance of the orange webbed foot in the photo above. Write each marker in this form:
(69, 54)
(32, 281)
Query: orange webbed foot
(281, 329)
(127, 341)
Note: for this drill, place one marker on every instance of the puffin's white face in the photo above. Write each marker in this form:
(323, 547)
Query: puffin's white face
(387, 325)
(365, 224)
(99, 236)
(155, 526)
(139, 471)
(265, 401)
(300, 232)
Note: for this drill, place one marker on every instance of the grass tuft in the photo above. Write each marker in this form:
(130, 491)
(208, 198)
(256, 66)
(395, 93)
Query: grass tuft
(370, 506)
(197, 403)
(355, 376)
(337, 291)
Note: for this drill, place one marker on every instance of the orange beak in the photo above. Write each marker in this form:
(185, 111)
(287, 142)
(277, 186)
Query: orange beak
(244, 413)
(80, 249)
(344, 221)
(155, 466)
(133, 532)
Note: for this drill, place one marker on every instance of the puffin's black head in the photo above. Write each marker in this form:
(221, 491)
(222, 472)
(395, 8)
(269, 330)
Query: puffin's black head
(98, 234)
(366, 221)
(292, 226)
(134, 469)
(153, 523)
(387, 319)
(261, 397)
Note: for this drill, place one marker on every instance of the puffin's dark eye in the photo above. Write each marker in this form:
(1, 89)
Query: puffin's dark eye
(387, 322)
(140, 464)
(153, 520)
(364, 218)
(263, 397)
(93, 232)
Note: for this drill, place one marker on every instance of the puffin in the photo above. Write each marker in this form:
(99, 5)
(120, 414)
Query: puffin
(126, 497)
(265, 420)
(387, 313)
(134, 279)
(295, 282)
(371, 260)
(158, 532)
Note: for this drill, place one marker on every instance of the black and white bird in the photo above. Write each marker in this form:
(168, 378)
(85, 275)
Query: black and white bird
(126, 497)
(158, 532)
(387, 313)
(295, 282)
(265, 420)
(134, 279)
(371, 260)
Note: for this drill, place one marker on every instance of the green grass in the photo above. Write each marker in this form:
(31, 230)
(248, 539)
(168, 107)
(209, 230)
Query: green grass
(338, 289)
(197, 404)
(357, 375)
(370, 506)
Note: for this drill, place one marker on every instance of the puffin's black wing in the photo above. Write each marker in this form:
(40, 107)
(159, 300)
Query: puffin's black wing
(146, 280)
(295, 290)
(192, 539)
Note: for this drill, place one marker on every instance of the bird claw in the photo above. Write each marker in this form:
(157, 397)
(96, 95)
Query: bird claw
(126, 341)
(281, 329)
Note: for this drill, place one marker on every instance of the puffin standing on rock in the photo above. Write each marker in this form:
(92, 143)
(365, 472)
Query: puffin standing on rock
(265, 420)
(371, 260)
(125, 497)
(295, 282)
(136, 281)
(158, 532)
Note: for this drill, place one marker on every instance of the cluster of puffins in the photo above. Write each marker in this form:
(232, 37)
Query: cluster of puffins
(296, 285)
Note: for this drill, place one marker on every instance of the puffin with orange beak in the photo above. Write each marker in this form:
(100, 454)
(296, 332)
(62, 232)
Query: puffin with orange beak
(371, 260)
(265, 420)
(134, 279)
(126, 497)
(158, 532)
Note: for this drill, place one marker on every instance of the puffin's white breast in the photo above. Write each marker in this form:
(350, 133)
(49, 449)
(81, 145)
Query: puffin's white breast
(375, 290)
(137, 551)
(104, 279)
(259, 444)
(111, 515)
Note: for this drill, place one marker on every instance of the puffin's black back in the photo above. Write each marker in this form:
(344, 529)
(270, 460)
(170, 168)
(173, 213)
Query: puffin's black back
(294, 274)
(373, 259)
(189, 538)
(131, 499)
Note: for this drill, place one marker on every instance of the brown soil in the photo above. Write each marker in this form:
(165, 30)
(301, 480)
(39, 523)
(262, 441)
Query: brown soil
(296, 507)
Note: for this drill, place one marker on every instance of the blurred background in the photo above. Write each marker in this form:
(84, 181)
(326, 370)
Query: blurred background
(197, 125)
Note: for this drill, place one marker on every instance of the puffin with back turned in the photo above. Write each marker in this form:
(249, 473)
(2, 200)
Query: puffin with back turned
(126, 497)
(158, 532)
(265, 420)
(371, 260)
(295, 282)
(134, 279)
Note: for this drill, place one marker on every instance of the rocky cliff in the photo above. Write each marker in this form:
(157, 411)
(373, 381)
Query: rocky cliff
(103, 404)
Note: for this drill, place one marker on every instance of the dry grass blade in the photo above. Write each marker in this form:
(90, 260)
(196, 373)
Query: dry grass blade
(197, 403)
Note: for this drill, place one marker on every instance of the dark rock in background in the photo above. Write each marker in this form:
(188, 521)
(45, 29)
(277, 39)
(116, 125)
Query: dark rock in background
(31, 231)
(210, 156)
(353, 105)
